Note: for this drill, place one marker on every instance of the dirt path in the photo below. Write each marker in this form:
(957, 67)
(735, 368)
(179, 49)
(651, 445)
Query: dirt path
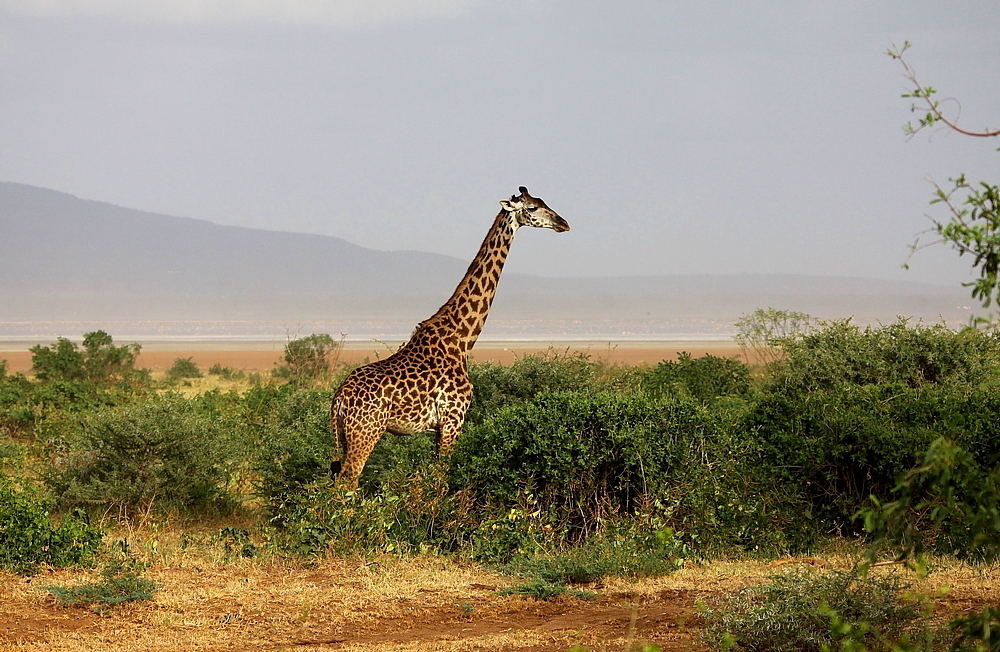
(515, 624)
(553, 625)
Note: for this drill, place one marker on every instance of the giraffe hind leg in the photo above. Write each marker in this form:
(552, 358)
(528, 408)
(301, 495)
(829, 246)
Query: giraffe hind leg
(359, 441)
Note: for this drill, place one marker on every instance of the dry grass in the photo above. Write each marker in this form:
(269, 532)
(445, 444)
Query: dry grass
(191, 387)
(210, 601)
(427, 603)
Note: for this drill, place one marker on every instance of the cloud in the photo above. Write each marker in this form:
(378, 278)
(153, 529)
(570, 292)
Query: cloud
(337, 13)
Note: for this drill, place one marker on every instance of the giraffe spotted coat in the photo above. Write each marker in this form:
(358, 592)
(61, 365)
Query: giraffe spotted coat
(424, 386)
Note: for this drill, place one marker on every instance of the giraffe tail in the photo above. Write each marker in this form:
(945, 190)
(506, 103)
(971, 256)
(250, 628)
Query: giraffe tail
(337, 424)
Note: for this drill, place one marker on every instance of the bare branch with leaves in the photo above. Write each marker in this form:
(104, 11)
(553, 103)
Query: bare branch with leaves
(925, 95)
(761, 333)
(972, 210)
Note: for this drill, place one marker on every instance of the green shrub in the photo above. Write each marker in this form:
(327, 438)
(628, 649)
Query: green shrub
(105, 363)
(840, 354)
(183, 368)
(65, 395)
(15, 415)
(121, 581)
(162, 451)
(838, 447)
(28, 537)
(587, 456)
(60, 361)
(100, 362)
(296, 445)
(705, 379)
(848, 411)
(791, 612)
(309, 359)
(497, 386)
(227, 373)
(586, 459)
(418, 512)
(74, 380)
(947, 503)
(610, 554)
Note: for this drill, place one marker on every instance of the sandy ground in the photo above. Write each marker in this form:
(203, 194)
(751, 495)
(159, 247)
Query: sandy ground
(160, 355)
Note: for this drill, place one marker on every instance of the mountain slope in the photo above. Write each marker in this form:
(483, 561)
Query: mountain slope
(64, 258)
(53, 241)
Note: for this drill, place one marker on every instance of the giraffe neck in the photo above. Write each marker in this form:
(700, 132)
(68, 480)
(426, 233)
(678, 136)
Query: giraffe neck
(464, 314)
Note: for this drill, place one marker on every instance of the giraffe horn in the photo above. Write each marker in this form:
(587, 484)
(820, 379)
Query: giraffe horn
(523, 191)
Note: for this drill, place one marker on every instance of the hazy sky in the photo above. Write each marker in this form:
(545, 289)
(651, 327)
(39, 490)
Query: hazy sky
(675, 137)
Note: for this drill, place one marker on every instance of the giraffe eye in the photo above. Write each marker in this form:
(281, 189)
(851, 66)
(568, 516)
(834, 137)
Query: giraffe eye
(532, 209)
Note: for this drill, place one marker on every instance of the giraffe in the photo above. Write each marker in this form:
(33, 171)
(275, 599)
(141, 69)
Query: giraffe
(425, 385)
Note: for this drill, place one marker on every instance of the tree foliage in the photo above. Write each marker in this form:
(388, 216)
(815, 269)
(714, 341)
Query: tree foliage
(761, 333)
(164, 451)
(183, 368)
(309, 359)
(951, 496)
(706, 379)
(971, 225)
(100, 362)
(29, 538)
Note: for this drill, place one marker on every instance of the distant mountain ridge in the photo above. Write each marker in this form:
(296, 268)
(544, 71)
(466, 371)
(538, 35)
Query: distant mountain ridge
(53, 241)
(65, 258)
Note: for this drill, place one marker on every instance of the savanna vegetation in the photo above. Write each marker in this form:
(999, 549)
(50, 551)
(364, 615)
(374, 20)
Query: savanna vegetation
(569, 470)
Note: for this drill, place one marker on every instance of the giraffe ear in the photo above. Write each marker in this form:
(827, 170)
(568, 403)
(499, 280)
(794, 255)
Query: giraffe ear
(508, 205)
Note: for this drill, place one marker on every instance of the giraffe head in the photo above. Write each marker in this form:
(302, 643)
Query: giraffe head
(532, 211)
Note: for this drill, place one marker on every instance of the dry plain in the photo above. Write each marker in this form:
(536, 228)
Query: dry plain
(263, 356)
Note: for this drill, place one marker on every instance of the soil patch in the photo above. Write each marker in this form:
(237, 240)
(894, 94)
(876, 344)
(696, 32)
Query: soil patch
(666, 620)
(38, 625)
